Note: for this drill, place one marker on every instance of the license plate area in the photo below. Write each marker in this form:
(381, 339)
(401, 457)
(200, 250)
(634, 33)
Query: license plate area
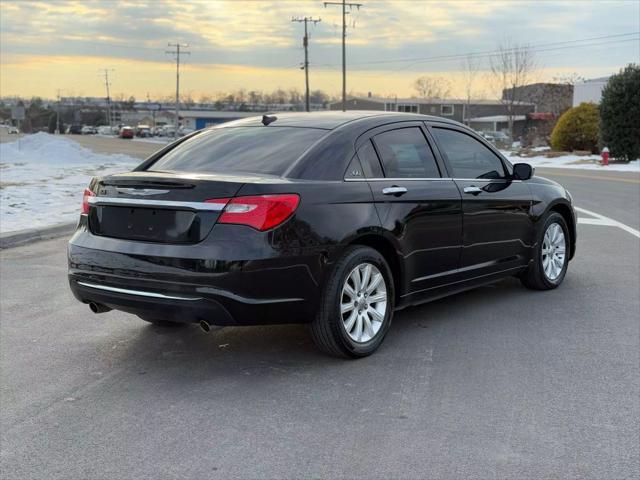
(147, 224)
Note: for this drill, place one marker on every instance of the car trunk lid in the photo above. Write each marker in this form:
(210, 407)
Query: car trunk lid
(159, 206)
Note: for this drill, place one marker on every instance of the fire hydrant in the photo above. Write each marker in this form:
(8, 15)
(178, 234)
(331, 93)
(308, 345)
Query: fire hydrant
(605, 156)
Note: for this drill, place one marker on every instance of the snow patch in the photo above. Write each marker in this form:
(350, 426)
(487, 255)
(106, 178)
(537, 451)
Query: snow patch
(581, 162)
(42, 179)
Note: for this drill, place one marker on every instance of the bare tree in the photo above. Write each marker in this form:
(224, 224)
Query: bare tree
(470, 70)
(432, 87)
(512, 66)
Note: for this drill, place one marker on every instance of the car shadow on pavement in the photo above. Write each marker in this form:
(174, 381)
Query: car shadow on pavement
(232, 352)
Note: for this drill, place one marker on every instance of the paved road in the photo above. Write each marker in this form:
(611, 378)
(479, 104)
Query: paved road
(499, 382)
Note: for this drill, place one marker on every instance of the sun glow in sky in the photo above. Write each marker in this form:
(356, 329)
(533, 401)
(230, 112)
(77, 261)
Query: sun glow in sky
(51, 45)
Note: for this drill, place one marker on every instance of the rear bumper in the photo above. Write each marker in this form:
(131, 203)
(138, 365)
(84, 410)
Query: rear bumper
(210, 281)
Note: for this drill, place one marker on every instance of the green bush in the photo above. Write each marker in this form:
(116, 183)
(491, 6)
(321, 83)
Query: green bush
(577, 129)
(620, 114)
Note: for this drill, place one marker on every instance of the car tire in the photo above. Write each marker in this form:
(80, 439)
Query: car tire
(335, 331)
(537, 276)
(162, 323)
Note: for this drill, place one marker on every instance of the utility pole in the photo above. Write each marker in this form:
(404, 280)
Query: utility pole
(344, 5)
(305, 42)
(177, 52)
(58, 115)
(106, 84)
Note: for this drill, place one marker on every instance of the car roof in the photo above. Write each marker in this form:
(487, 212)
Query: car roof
(329, 120)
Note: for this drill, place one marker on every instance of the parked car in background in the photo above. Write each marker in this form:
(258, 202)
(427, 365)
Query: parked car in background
(143, 131)
(499, 139)
(13, 131)
(105, 130)
(333, 219)
(126, 132)
(88, 130)
(74, 129)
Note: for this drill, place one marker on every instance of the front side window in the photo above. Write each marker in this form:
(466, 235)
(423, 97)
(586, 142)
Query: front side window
(467, 156)
(262, 150)
(405, 153)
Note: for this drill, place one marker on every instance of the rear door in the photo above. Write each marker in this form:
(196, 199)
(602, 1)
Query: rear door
(498, 230)
(415, 203)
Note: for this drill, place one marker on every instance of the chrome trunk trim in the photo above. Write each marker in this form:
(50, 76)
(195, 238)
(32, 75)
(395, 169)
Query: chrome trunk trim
(139, 202)
(137, 292)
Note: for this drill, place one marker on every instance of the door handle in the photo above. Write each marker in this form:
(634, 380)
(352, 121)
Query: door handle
(395, 190)
(473, 190)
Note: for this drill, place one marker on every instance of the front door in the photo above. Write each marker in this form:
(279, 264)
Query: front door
(497, 226)
(416, 205)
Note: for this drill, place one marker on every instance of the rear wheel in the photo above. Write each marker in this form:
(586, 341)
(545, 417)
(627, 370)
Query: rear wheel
(551, 256)
(357, 305)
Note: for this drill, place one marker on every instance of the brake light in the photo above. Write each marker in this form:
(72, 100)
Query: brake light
(85, 200)
(261, 212)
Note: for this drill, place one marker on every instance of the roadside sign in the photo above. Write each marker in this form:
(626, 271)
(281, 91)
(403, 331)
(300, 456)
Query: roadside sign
(17, 113)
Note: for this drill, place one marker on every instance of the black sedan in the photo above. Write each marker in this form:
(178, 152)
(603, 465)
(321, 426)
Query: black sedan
(332, 219)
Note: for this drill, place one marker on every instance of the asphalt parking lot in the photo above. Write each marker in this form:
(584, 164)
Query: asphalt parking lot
(499, 382)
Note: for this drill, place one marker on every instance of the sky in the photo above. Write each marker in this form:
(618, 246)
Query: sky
(46, 46)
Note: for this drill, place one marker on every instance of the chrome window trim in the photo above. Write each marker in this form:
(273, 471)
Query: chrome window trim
(136, 292)
(215, 207)
(404, 179)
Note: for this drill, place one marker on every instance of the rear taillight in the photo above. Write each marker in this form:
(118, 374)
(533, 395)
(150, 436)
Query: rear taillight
(85, 200)
(261, 212)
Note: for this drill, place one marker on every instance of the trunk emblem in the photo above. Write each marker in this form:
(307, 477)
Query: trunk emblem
(141, 191)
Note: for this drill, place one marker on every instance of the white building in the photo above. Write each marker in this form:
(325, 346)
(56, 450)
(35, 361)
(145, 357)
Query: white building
(589, 91)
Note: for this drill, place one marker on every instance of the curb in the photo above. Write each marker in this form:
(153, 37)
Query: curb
(22, 237)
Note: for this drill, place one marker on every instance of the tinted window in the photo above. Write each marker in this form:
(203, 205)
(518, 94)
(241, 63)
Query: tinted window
(370, 162)
(405, 153)
(269, 150)
(467, 156)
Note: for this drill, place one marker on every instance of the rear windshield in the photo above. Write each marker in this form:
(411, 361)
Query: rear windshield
(267, 150)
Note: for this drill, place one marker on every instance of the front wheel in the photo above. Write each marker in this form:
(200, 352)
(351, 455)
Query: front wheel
(357, 305)
(551, 255)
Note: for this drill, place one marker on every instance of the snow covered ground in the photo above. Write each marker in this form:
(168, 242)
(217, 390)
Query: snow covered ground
(583, 162)
(42, 181)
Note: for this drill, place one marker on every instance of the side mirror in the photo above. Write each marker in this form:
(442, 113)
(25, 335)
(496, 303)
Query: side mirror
(522, 171)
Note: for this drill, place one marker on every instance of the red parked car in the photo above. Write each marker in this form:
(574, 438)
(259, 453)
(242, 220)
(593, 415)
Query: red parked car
(126, 132)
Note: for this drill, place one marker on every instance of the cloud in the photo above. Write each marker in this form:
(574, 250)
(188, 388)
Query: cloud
(259, 34)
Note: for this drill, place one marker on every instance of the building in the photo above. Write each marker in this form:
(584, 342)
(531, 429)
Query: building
(589, 91)
(198, 119)
(489, 115)
(554, 98)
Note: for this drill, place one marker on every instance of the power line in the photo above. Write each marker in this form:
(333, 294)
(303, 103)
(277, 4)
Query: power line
(483, 55)
(492, 52)
(344, 5)
(177, 52)
(305, 43)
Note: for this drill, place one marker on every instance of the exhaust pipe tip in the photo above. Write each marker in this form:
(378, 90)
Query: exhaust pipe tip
(98, 307)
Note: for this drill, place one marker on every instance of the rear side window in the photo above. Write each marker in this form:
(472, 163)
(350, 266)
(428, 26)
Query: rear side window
(369, 160)
(467, 156)
(405, 153)
(266, 150)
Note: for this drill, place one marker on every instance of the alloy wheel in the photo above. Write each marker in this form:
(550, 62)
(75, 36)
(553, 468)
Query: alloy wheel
(553, 252)
(363, 302)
